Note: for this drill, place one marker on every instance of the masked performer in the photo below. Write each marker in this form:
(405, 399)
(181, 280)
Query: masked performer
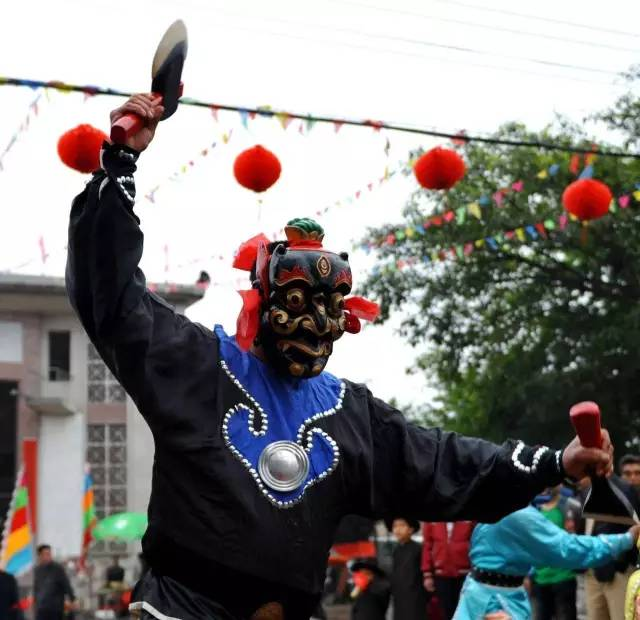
(258, 451)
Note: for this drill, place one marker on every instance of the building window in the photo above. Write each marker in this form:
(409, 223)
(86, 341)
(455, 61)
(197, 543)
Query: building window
(103, 387)
(107, 458)
(59, 356)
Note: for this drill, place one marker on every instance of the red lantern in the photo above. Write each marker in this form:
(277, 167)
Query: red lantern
(79, 148)
(587, 199)
(439, 168)
(257, 168)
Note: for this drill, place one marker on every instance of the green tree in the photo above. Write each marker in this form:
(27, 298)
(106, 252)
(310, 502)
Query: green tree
(518, 328)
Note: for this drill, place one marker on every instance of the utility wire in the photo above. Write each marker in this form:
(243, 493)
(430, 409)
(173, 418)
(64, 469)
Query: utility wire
(410, 41)
(462, 22)
(549, 20)
(337, 121)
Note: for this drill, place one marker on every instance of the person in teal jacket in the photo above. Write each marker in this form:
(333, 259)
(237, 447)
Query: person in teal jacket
(504, 553)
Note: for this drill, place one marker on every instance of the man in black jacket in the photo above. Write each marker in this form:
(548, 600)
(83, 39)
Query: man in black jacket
(51, 587)
(605, 586)
(9, 599)
(259, 452)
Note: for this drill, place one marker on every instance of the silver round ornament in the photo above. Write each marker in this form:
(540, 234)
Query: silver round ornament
(283, 466)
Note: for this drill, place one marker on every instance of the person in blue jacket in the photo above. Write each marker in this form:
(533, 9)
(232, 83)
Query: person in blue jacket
(504, 553)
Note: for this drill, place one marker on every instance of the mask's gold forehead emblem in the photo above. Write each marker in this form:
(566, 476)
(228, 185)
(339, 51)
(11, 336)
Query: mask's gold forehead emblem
(323, 266)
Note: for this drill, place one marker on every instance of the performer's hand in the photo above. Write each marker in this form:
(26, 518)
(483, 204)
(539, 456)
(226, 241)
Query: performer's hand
(579, 461)
(143, 105)
(428, 583)
(634, 530)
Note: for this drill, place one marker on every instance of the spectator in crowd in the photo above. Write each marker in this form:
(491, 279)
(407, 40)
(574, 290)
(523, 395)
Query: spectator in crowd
(51, 587)
(445, 561)
(554, 589)
(503, 553)
(630, 470)
(9, 599)
(605, 586)
(115, 572)
(371, 592)
(409, 596)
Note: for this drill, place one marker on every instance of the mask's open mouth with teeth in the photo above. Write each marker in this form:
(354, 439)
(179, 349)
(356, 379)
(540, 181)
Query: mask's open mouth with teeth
(301, 351)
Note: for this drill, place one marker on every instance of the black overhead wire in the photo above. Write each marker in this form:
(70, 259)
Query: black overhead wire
(271, 112)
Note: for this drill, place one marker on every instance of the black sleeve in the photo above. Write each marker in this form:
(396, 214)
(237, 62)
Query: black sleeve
(433, 475)
(128, 324)
(66, 585)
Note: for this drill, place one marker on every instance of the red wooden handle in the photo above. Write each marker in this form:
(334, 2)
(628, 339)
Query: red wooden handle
(585, 418)
(129, 125)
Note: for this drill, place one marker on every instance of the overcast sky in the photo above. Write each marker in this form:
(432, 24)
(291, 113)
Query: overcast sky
(452, 65)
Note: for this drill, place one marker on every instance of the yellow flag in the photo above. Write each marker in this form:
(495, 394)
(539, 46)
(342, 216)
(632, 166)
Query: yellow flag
(520, 234)
(474, 209)
(284, 119)
(409, 231)
(636, 195)
(543, 174)
(479, 243)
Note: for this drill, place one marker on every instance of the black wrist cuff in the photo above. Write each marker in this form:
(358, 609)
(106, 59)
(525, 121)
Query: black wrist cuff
(119, 163)
(540, 462)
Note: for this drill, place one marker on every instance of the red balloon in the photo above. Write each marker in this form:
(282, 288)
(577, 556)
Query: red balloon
(257, 168)
(587, 199)
(79, 148)
(439, 168)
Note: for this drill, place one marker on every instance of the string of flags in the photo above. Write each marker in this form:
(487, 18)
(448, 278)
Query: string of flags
(369, 187)
(532, 231)
(475, 208)
(176, 175)
(32, 112)
(285, 118)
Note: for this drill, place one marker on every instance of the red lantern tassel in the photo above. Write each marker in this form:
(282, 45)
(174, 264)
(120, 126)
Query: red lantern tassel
(248, 319)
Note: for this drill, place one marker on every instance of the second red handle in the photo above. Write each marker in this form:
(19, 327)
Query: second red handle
(585, 418)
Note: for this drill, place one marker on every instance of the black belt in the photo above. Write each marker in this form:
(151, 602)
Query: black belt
(496, 579)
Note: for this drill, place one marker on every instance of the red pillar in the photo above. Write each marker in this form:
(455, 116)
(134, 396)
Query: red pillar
(30, 456)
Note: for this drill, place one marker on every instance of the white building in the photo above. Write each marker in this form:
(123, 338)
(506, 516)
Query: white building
(56, 389)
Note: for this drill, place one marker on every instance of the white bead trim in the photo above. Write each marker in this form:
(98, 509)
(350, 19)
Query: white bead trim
(263, 430)
(558, 463)
(527, 469)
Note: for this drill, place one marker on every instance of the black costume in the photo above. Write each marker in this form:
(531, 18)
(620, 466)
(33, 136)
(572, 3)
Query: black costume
(226, 535)
(409, 596)
(9, 598)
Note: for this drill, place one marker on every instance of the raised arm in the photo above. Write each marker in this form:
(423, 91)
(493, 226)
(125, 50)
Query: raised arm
(435, 475)
(546, 544)
(126, 322)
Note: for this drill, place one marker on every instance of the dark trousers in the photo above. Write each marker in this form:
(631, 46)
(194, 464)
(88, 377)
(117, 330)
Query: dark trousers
(448, 592)
(48, 614)
(554, 601)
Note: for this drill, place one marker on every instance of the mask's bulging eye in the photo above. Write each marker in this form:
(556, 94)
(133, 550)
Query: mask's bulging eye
(295, 299)
(336, 304)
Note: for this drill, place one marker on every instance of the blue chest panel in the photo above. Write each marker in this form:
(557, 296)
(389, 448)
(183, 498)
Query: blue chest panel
(279, 409)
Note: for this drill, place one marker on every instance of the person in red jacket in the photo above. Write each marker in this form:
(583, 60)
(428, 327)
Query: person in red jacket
(445, 560)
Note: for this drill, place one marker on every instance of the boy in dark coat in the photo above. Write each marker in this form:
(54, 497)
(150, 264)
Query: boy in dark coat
(409, 596)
